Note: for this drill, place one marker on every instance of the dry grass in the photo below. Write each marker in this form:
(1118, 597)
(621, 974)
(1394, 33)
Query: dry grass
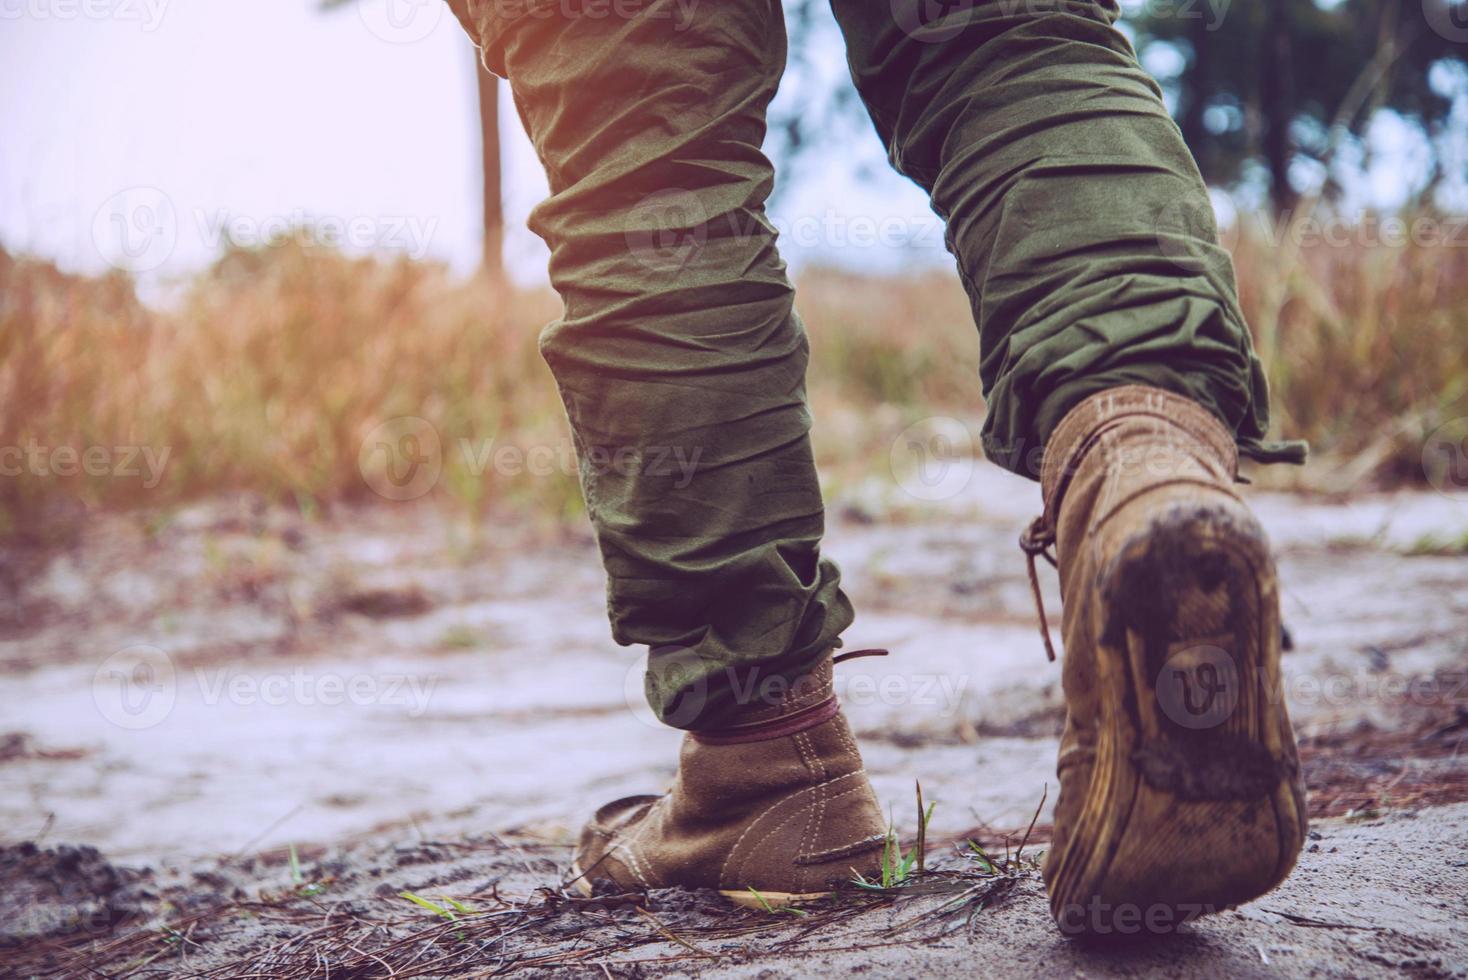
(275, 364)
(1366, 346)
(266, 378)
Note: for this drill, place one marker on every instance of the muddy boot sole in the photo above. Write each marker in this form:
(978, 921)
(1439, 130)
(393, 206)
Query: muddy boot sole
(1195, 803)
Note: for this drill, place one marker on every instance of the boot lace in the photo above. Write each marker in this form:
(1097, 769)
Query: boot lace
(1037, 541)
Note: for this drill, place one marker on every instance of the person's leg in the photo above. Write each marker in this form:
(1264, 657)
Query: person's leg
(681, 364)
(1112, 350)
(679, 357)
(1081, 225)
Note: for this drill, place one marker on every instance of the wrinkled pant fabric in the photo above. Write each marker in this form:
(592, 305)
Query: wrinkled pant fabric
(1080, 225)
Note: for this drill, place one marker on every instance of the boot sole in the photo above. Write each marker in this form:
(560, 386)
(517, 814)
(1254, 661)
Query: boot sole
(744, 899)
(1195, 803)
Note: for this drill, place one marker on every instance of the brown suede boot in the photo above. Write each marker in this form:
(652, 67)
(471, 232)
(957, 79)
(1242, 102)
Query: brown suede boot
(779, 804)
(1180, 789)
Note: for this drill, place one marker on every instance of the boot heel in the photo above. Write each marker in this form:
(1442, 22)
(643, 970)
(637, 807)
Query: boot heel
(1196, 803)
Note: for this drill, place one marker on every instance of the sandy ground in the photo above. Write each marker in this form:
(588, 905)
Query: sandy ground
(417, 704)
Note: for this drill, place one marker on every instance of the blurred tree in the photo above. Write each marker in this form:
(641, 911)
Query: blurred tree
(487, 86)
(1285, 81)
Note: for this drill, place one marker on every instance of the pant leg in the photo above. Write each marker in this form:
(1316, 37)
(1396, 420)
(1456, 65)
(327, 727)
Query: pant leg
(1079, 220)
(679, 358)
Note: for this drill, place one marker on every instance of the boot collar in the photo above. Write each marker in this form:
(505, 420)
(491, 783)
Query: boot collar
(810, 701)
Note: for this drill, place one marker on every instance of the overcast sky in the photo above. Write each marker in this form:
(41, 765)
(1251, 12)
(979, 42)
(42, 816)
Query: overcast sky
(143, 132)
(231, 118)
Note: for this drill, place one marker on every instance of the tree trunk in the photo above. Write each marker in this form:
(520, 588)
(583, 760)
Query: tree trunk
(492, 263)
(1196, 82)
(1277, 102)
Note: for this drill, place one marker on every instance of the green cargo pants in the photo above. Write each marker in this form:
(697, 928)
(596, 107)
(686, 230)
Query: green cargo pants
(1078, 219)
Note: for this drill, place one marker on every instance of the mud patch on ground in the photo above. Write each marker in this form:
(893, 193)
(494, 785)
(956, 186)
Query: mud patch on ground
(1365, 773)
(65, 891)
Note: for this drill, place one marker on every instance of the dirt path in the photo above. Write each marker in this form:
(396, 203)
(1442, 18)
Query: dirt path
(1376, 898)
(390, 676)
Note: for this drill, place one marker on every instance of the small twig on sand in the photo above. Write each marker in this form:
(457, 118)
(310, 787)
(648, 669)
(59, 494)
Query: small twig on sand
(657, 924)
(1309, 923)
(1044, 792)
